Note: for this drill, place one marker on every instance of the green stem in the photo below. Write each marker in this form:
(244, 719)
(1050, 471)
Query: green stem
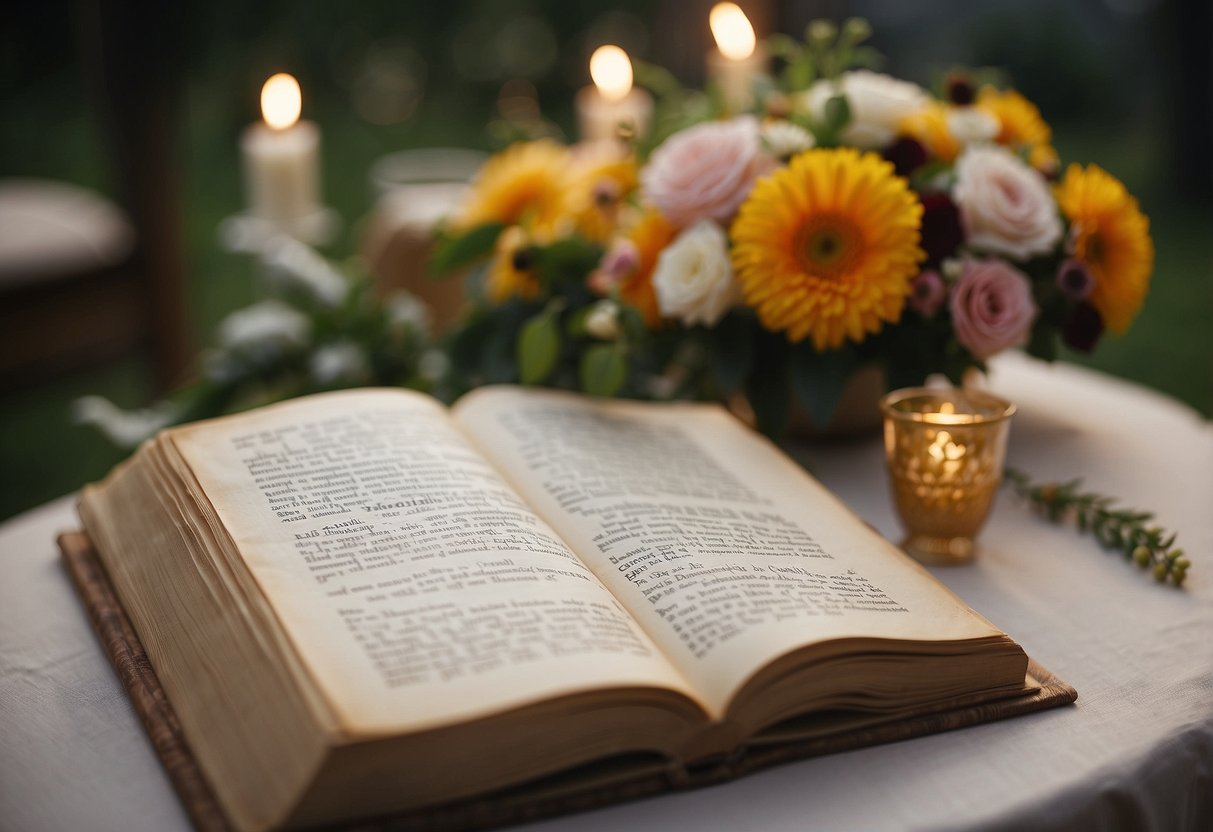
(1122, 530)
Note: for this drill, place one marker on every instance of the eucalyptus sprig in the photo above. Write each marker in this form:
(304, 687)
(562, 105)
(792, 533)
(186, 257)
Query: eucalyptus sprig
(1127, 531)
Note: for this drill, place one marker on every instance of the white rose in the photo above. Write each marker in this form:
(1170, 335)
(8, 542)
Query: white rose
(971, 124)
(1005, 205)
(783, 138)
(693, 277)
(877, 103)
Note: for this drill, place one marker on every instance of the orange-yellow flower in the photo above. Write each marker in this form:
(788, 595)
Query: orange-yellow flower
(651, 233)
(826, 248)
(1021, 126)
(526, 184)
(1111, 236)
(929, 127)
(511, 271)
(602, 178)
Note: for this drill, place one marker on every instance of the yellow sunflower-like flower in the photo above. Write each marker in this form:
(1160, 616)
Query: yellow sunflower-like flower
(651, 233)
(826, 247)
(603, 177)
(1020, 125)
(1111, 236)
(526, 184)
(511, 271)
(929, 127)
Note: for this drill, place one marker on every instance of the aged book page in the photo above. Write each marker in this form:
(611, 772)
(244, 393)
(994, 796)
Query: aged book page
(408, 574)
(725, 551)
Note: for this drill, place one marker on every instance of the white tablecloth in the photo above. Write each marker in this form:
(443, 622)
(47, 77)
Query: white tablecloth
(1136, 752)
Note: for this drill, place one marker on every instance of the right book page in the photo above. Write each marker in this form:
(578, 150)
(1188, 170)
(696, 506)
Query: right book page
(727, 553)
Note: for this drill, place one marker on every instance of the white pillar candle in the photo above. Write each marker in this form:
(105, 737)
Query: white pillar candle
(736, 60)
(281, 156)
(612, 102)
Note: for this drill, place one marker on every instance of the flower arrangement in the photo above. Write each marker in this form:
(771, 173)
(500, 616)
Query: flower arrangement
(319, 328)
(849, 219)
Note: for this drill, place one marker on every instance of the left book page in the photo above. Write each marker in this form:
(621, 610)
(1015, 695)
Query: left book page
(410, 578)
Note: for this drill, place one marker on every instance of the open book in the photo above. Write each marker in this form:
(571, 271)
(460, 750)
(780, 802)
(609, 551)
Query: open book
(362, 603)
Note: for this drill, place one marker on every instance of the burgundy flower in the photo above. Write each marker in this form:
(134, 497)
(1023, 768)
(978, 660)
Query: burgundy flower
(1082, 328)
(942, 231)
(959, 89)
(906, 154)
(1075, 280)
(928, 293)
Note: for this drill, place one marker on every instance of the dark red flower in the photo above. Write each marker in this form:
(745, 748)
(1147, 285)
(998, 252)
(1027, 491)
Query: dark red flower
(906, 154)
(942, 232)
(1082, 328)
(960, 90)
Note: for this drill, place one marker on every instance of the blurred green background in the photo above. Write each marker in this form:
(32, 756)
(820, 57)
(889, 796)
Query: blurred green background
(1124, 83)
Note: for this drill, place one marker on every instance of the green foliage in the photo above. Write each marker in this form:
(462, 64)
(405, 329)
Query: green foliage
(539, 344)
(452, 252)
(826, 52)
(604, 369)
(1127, 531)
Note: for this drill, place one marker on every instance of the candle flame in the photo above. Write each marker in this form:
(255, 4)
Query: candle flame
(611, 72)
(281, 101)
(732, 30)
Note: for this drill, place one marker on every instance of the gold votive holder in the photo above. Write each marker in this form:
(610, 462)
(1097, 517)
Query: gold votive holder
(945, 450)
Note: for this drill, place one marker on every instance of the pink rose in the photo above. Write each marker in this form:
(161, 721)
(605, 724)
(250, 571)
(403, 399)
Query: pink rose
(992, 307)
(706, 171)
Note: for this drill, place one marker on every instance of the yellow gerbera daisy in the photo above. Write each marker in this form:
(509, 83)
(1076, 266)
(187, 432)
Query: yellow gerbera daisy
(1020, 124)
(651, 233)
(526, 184)
(826, 247)
(1111, 236)
(510, 271)
(929, 127)
(602, 179)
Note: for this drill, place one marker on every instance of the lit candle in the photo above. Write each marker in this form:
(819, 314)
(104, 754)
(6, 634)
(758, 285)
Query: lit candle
(612, 102)
(281, 156)
(735, 62)
(945, 451)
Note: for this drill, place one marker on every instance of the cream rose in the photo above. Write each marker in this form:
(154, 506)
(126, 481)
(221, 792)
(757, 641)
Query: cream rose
(693, 278)
(877, 103)
(1005, 206)
(706, 171)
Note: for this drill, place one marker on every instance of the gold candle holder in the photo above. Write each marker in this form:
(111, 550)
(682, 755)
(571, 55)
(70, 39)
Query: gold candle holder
(945, 450)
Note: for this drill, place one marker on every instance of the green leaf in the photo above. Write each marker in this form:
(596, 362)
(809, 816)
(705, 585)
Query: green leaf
(604, 368)
(539, 347)
(452, 253)
(837, 113)
(819, 378)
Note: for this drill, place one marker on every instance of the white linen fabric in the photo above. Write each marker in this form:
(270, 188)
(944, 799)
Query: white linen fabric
(1135, 752)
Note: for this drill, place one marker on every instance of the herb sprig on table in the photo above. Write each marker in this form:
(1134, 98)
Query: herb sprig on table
(1127, 531)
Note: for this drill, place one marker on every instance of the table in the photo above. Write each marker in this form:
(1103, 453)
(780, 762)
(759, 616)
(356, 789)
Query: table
(1136, 752)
